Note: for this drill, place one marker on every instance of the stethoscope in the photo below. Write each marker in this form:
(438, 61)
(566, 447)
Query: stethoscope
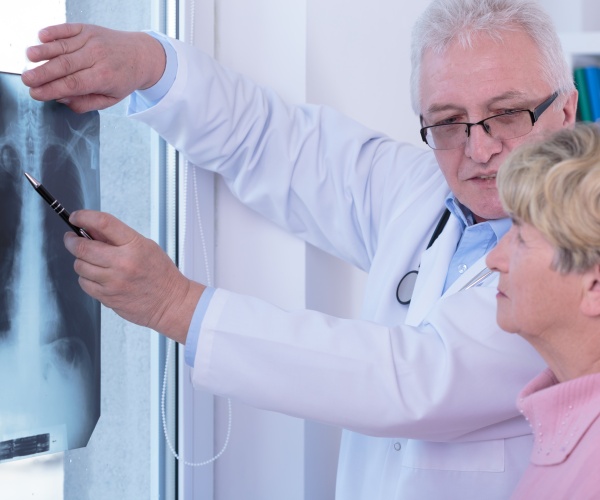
(406, 286)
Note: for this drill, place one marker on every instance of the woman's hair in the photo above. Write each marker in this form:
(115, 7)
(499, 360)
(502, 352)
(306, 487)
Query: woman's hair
(446, 21)
(554, 185)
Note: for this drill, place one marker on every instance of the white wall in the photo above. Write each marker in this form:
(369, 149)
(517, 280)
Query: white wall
(264, 39)
(569, 17)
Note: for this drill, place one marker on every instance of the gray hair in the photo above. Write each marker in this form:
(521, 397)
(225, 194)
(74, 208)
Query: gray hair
(446, 21)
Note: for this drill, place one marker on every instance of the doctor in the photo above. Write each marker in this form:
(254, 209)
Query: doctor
(425, 384)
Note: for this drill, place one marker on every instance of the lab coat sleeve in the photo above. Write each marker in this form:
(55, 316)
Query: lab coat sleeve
(339, 186)
(309, 169)
(446, 381)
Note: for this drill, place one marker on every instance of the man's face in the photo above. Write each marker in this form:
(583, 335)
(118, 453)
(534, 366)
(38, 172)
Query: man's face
(468, 85)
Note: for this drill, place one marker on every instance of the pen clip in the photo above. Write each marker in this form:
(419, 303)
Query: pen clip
(477, 279)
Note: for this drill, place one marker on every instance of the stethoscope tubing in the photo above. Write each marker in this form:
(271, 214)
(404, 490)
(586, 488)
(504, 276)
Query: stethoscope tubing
(406, 285)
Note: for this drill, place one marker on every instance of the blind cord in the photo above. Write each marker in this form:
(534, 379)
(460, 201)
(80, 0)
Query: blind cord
(209, 283)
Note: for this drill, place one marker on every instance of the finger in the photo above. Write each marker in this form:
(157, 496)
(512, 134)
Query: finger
(56, 41)
(63, 30)
(64, 75)
(68, 87)
(112, 300)
(104, 227)
(95, 253)
(93, 272)
(104, 264)
(85, 103)
(61, 62)
(94, 290)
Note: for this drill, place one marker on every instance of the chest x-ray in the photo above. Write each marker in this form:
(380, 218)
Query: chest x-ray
(49, 328)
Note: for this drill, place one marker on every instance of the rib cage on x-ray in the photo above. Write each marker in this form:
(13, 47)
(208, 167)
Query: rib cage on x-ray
(49, 328)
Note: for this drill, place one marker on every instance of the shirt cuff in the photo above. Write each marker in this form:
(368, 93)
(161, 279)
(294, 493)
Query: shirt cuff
(191, 343)
(141, 100)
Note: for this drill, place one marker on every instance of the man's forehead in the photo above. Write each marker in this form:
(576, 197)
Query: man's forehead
(482, 74)
(442, 103)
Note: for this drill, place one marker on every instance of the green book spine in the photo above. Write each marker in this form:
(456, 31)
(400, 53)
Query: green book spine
(584, 109)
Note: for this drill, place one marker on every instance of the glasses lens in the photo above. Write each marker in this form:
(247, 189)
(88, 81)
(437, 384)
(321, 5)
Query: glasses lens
(509, 125)
(446, 136)
(500, 127)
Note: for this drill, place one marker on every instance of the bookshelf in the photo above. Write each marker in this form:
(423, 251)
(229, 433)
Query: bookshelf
(582, 48)
(578, 22)
(583, 53)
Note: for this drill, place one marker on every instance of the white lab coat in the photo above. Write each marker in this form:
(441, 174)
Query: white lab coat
(426, 392)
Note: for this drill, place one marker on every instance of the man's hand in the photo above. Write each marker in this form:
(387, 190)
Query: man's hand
(132, 275)
(90, 68)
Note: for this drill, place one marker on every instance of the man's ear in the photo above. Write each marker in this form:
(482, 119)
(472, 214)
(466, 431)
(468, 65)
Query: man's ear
(590, 302)
(570, 108)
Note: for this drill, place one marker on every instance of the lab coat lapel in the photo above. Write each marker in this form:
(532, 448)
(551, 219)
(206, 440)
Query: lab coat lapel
(432, 273)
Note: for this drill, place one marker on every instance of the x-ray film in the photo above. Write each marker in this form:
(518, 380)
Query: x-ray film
(49, 328)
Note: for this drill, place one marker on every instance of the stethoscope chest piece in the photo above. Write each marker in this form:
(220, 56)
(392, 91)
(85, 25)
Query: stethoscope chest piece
(406, 287)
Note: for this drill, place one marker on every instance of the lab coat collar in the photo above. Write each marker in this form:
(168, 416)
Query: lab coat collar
(432, 272)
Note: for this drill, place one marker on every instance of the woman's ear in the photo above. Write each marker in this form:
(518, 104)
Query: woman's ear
(590, 302)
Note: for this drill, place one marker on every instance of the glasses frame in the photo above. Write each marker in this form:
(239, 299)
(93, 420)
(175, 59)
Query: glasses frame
(534, 115)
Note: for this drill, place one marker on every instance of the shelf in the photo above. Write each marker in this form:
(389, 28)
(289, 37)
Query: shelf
(582, 48)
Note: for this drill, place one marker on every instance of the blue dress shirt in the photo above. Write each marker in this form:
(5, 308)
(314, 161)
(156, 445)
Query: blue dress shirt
(476, 239)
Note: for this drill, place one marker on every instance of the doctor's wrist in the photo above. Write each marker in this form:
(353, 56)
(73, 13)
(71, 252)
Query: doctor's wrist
(175, 322)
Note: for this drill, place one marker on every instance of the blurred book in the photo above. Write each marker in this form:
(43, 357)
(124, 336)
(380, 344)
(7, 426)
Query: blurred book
(587, 81)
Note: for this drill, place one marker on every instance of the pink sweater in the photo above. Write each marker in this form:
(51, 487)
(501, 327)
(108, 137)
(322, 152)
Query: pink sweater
(565, 460)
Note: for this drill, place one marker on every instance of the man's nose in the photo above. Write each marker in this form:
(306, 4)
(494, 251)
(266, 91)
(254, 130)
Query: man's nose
(481, 146)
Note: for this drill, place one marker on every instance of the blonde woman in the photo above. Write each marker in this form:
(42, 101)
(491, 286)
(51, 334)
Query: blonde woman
(549, 294)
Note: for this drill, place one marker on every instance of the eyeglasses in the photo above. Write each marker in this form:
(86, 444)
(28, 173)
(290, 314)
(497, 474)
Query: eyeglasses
(509, 125)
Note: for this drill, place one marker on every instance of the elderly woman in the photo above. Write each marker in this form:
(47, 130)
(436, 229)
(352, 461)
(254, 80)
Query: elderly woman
(549, 293)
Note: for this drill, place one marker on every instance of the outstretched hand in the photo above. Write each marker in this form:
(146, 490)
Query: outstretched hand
(132, 275)
(90, 67)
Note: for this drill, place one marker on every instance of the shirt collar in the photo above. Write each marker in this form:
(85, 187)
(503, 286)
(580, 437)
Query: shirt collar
(559, 414)
(499, 226)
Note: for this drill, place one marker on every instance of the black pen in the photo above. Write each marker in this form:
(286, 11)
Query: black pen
(56, 206)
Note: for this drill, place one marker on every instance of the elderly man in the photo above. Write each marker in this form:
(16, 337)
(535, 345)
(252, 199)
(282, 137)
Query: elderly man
(424, 385)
